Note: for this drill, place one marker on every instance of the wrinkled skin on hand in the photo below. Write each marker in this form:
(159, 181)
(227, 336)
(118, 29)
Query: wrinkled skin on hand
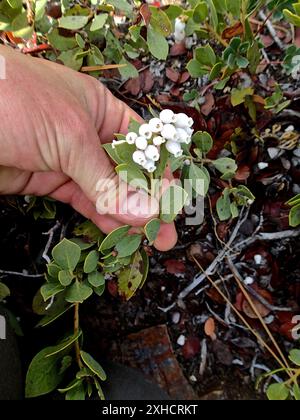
(52, 122)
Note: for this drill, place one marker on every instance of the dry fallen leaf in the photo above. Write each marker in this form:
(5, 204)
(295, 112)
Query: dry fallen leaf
(209, 104)
(262, 309)
(174, 266)
(235, 30)
(210, 328)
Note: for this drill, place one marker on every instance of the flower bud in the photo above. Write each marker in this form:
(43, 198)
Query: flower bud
(167, 116)
(179, 25)
(183, 136)
(150, 166)
(141, 143)
(145, 131)
(139, 157)
(152, 153)
(155, 125)
(131, 137)
(169, 132)
(158, 140)
(183, 121)
(174, 148)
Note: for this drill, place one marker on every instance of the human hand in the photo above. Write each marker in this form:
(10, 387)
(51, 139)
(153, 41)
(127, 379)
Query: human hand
(52, 122)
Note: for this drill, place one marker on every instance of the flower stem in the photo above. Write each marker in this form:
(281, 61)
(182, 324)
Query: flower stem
(76, 331)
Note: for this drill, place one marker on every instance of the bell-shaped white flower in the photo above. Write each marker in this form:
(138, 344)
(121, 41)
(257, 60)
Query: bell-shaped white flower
(179, 30)
(167, 116)
(169, 132)
(189, 131)
(145, 131)
(139, 157)
(152, 153)
(155, 125)
(149, 166)
(158, 140)
(174, 148)
(141, 143)
(179, 36)
(183, 136)
(131, 137)
(183, 121)
(179, 25)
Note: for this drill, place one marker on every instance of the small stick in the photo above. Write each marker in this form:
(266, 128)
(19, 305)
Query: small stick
(15, 273)
(271, 29)
(239, 281)
(49, 242)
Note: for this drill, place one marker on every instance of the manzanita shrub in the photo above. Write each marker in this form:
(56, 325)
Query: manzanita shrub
(99, 34)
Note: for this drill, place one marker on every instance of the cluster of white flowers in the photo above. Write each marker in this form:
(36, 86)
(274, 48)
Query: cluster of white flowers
(170, 128)
(179, 32)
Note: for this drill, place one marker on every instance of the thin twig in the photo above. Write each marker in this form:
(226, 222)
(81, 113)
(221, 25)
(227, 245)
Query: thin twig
(15, 273)
(76, 331)
(271, 29)
(210, 270)
(49, 242)
(264, 302)
(239, 281)
(242, 318)
(268, 237)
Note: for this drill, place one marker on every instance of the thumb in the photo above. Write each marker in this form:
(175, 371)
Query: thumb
(89, 166)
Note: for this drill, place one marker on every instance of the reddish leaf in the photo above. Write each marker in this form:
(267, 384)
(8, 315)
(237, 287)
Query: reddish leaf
(235, 30)
(172, 74)
(163, 98)
(145, 13)
(133, 86)
(242, 173)
(112, 287)
(177, 49)
(262, 309)
(267, 40)
(210, 328)
(191, 347)
(175, 91)
(147, 81)
(209, 104)
(174, 266)
(184, 77)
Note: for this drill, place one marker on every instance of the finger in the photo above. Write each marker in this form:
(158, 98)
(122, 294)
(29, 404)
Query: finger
(59, 187)
(166, 238)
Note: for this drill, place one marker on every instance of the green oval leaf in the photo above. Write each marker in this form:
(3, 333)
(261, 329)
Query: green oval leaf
(98, 22)
(151, 230)
(113, 238)
(203, 141)
(66, 254)
(225, 165)
(172, 202)
(157, 44)
(91, 262)
(73, 22)
(294, 356)
(65, 277)
(128, 245)
(132, 176)
(131, 277)
(96, 279)
(92, 364)
(78, 292)
(278, 392)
